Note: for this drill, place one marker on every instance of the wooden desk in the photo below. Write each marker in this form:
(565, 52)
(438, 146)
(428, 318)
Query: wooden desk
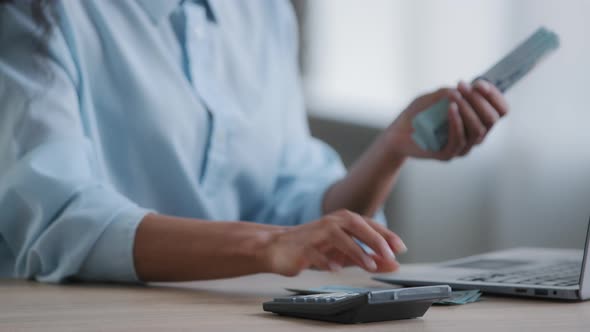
(235, 305)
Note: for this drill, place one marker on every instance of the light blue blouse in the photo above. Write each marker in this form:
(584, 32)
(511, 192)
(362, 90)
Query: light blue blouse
(156, 105)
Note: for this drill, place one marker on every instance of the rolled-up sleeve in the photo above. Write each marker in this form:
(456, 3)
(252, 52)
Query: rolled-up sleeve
(308, 170)
(59, 218)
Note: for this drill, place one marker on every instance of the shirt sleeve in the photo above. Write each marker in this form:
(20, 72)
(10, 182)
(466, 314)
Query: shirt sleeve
(308, 166)
(58, 218)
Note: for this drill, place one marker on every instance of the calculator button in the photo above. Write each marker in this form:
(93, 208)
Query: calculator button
(284, 299)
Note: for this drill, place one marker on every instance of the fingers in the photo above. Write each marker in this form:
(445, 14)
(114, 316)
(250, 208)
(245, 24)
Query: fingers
(479, 107)
(485, 111)
(456, 140)
(343, 242)
(331, 243)
(338, 258)
(487, 102)
(384, 265)
(474, 127)
(343, 227)
(493, 96)
(394, 241)
(456, 125)
(457, 137)
(357, 226)
(429, 99)
(321, 261)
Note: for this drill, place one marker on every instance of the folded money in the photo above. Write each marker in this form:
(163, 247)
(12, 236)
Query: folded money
(461, 297)
(431, 126)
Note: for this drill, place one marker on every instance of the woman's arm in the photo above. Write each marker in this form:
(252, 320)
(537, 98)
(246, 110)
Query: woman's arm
(178, 249)
(472, 113)
(174, 249)
(368, 182)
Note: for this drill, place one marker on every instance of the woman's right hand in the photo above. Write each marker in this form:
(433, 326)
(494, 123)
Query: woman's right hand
(328, 244)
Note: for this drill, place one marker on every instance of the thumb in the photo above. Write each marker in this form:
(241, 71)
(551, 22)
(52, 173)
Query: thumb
(423, 102)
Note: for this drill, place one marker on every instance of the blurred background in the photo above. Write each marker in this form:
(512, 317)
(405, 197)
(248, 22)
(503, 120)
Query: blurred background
(528, 184)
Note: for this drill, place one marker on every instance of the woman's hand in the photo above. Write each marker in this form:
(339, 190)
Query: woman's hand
(328, 244)
(473, 111)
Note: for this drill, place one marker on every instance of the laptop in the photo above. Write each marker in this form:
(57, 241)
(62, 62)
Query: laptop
(532, 272)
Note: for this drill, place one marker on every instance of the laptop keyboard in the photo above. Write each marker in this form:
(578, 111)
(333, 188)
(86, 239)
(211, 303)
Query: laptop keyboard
(559, 274)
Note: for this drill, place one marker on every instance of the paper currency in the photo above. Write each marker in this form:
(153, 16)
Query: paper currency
(431, 126)
(461, 297)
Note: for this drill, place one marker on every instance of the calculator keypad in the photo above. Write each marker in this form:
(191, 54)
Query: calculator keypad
(316, 298)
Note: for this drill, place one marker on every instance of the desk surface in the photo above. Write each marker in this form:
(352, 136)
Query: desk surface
(235, 305)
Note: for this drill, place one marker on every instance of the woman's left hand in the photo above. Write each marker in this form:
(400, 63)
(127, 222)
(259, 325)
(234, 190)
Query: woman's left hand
(473, 111)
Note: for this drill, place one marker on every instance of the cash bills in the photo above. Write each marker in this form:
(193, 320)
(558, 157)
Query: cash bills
(431, 126)
(461, 297)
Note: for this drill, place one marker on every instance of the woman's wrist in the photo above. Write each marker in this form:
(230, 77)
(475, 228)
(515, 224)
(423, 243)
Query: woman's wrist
(369, 179)
(262, 249)
(393, 148)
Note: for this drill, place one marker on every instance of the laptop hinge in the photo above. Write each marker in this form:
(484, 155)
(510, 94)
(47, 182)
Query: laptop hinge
(585, 273)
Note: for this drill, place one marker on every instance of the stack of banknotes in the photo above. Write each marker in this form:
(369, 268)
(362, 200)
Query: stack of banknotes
(431, 126)
(461, 297)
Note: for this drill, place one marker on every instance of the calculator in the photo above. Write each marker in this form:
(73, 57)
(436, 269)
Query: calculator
(431, 127)
(360, 307)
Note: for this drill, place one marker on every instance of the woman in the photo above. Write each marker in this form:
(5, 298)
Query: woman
(131, 129)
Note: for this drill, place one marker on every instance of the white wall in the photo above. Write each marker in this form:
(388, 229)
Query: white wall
(529, 183)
